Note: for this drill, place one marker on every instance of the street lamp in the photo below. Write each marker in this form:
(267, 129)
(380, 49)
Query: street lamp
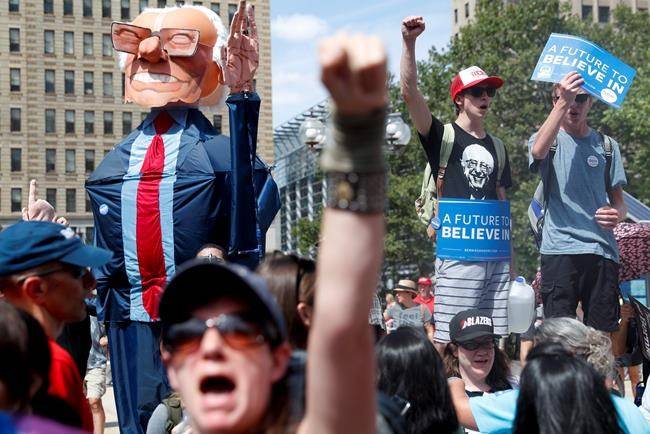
(312, 133)
(398, 134)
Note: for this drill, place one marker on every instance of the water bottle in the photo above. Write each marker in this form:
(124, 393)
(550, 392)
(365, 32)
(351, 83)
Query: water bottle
(521, 306)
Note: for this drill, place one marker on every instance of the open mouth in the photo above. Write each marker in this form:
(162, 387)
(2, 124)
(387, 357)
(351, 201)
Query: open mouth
(150, 77)
(483, 106)
(218, 384)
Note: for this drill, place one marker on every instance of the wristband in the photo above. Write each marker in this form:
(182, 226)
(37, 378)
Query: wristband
(356, 192)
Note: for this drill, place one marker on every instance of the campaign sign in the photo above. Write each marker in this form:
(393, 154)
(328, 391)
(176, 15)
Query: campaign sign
(606, 77)
(474, 230)
(643, 323)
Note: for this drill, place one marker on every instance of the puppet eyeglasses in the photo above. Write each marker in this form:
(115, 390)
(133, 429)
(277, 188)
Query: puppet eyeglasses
(176, 42)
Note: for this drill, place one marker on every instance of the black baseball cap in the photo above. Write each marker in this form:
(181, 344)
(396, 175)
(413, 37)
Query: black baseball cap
(28, 244)
(470, 324)
(198, 283)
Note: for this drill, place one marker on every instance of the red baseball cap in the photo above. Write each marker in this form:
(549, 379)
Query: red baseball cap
(471, 77)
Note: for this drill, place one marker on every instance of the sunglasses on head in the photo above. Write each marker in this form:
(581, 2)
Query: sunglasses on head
(475, 345)
(477, 92)
(238, 330)
(581, 98)
(303, 266)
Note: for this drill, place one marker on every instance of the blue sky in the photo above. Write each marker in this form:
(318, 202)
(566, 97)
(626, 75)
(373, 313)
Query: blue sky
(298, 25)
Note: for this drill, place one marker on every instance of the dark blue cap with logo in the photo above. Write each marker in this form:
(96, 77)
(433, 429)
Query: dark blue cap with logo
(28, 244)
(470, 324)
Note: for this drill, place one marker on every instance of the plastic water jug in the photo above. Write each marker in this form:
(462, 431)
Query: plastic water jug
(521, 306)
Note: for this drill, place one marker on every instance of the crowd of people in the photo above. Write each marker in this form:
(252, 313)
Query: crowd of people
(289, 347)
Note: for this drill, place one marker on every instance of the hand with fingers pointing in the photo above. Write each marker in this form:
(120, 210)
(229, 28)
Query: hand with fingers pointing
(37, 209)
(240, 57)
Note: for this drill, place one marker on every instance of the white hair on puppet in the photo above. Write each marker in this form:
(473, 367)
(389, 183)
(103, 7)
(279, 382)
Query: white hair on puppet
(222, 34)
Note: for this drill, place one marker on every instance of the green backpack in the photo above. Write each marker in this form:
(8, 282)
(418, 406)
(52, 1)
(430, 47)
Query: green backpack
(426, 205)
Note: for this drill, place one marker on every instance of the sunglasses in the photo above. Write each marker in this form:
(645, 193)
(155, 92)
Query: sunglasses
(238, 330)
(475, 345)
(581, 98)
(176, 42)
(477, 92)
(76, 271)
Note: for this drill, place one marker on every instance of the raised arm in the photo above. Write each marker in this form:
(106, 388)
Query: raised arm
(412, 27)
(341, 366)
(563, 97)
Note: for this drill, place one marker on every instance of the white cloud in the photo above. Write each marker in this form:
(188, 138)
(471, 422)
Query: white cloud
(298, 27)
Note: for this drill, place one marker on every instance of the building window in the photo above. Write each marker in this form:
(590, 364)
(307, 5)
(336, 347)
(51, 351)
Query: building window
(216, 8)
(197, 3)
(70, 156)
(217, 121)
(88, 8)
(50, 121)
(162, 3)
(89, 82)
(49, 81)
(89, 231)
(603, 14)
(143, 116)
(456, 16)
(14, 5)
(16, 159)
(180, 3)
(67, 7)
(70, 200)
(127, 122)
(15, 121)
(231, 12)
(89, 122)
(88, 44)
(89, 160)
(69, 122)
(107, 79)
(125, 9)
(466, 10)
(587, 12)
(68, 78)
(68, 42)
(108, 123)
(48, 42)
(48, 6)
(143, 4)
(107, 45)
(106, 8)
(14, 40)
(14, 79)
(16, 199)
(50, 196)
(50, 160)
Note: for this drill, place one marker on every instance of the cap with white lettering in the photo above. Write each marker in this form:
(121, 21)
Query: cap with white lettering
(470, 324)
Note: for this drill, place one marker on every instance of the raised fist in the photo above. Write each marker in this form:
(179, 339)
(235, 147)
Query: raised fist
(412, 27)
(353, 69)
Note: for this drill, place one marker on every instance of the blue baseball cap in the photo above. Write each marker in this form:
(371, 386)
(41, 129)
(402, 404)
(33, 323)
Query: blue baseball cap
(28, 244)
(198, 283)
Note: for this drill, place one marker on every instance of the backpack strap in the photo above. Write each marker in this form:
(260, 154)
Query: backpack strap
(448, 136)
(546, 180)
(500, 150)
(608, 148)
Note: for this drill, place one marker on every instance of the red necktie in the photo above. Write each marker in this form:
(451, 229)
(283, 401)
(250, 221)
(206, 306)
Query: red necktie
(151, 259)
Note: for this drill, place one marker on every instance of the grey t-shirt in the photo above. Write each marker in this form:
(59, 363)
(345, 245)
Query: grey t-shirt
(575, 193)
(411, 317)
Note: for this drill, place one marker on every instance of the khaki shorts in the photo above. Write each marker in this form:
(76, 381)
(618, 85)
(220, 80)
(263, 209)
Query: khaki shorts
(95, 382)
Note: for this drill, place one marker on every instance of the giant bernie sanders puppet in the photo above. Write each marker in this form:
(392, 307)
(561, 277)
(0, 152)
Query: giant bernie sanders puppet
(175, 184)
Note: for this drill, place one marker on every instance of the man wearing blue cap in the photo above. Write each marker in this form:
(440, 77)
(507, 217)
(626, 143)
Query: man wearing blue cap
(44, 271)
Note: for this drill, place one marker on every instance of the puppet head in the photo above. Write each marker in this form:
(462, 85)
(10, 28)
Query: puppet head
(171, 57)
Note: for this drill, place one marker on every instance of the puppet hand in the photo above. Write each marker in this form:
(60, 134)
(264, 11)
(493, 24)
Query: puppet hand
(240, 58)
(412, 27)
(37, 209)
(353, 69)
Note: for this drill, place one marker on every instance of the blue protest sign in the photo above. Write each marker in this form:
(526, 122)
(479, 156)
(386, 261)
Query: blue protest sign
(606, 77)
(474, 230)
